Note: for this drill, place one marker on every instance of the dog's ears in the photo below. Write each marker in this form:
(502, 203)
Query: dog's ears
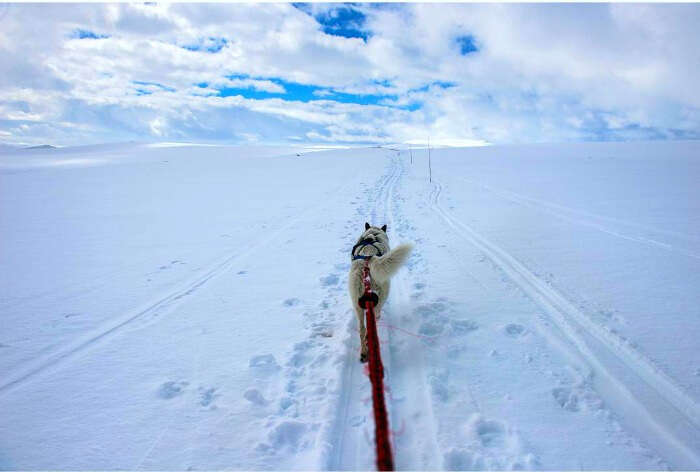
(367, 227)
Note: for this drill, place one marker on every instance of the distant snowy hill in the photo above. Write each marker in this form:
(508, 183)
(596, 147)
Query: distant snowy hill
(7, 148)
(184, 307)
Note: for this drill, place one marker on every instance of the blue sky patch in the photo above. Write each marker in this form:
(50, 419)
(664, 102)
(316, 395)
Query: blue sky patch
(439, 83)
(146, 88)
(467, 44)
(210, 44)
(369, 99)
(342, 20)
(306, 93)
(294, 91)
(86, 34)
(384, 83)
(412, 106)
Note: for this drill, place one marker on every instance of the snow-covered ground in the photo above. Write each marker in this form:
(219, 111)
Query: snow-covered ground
(185, 307)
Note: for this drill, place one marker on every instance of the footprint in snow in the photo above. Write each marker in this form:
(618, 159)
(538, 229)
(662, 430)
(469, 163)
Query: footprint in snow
(566, 398)
(264, 364)
(489, 433)
(514, 330)
(288, 406)
(291, 302)
(322, 330)
(330, 280)
(299, 358)
(489, 445)
(428, 310)
(432, 327)
(438, 386)
(462, 327)
(207, 396)
(418, 293)
(288, 435)
(356, 421)
(171, 389)
(254, 396)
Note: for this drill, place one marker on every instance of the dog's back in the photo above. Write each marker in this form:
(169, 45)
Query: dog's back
(381, 268)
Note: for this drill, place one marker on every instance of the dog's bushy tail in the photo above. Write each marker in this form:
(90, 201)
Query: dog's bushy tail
(382, 268)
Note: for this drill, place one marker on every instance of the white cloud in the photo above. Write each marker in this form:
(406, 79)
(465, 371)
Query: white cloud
(157, 126)
(542, 73)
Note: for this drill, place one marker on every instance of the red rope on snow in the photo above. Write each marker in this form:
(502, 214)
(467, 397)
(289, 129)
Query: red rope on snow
(385, 460)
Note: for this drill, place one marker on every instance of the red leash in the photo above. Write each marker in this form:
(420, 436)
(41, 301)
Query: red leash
(369, 299)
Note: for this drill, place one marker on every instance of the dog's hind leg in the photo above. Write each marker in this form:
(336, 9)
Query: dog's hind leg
(363, 333)
(356, 290)
(383, 292)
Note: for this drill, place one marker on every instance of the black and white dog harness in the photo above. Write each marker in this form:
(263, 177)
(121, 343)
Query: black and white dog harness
(360, 245)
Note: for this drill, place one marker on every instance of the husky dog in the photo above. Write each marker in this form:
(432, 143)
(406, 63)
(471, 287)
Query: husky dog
(383, 263)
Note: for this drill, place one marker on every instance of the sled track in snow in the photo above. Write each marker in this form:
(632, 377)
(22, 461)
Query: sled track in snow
(27, 372)
(590, 220)
(650, 402)
(410, 404)
(353, 447)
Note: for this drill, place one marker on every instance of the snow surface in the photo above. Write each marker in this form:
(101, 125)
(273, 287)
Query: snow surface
(184, 307)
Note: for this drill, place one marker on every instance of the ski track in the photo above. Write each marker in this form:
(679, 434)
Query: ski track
(588, 219)
(410, 403)
(353, 428)
(653, 406)
(164, 304)
(408, 397)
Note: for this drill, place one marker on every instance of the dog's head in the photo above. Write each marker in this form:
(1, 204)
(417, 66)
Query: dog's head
(375, 232)
(377, 237)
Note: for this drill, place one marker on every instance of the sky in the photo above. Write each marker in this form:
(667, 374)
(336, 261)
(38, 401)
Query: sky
(351, 74)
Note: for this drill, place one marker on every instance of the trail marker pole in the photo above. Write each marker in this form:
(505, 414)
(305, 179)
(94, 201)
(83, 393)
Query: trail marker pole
(430, 167)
